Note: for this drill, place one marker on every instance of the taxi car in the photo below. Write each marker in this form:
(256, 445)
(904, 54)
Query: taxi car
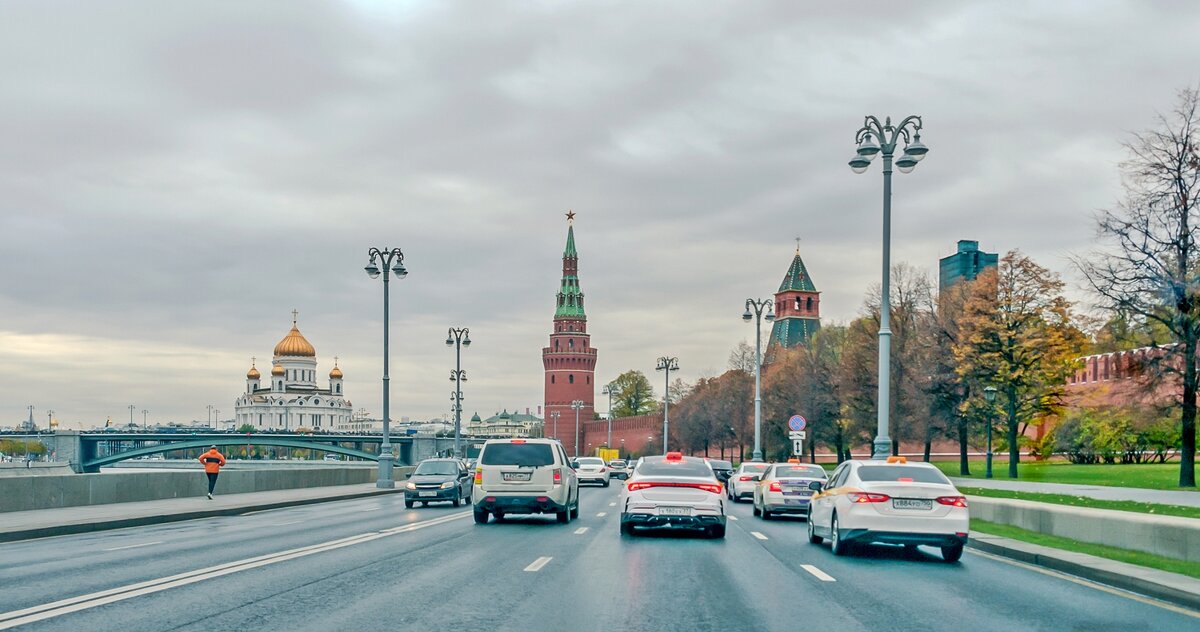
(673, 491)
(892, 502)
(784, 489)
(741, 483)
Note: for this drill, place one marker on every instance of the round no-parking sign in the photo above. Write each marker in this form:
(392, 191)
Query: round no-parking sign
(797, 423)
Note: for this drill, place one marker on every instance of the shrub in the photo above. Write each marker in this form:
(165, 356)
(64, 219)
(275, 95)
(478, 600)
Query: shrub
(1116, 435)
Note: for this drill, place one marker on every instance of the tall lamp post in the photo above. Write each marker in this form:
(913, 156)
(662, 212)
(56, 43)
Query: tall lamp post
(458, 338)
(989, 395)
(909, 130)
(667, 364)
(757, 317)
(131, 407)
(609, 389)
(209, 407)
(144, 413)
(554, 418)
(577, 405)
(393, 261)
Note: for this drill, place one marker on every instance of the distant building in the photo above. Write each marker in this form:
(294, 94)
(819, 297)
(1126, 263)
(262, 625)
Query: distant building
(504, 424)
(797, 307)
(966, 264)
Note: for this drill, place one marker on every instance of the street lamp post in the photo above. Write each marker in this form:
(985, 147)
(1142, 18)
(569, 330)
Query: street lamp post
(757, 317)
(667, 364)
(210, 409)
(458, 338)
(609, 389)
(914, 152)
(144, 413)
(131, 407)
(393, 261)
(554, 417)
(989, 395)
(577, 405)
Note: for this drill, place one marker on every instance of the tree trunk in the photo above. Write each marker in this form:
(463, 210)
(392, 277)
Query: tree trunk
(964, 467)
(928, 440)
(1187, 455)
(1014, 447)
(812, 451)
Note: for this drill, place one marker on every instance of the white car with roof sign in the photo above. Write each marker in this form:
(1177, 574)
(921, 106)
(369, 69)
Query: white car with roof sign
(673, 492)
(784, 489)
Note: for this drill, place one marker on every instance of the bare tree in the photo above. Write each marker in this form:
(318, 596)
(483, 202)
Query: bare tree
(1153, 270)
(741, 358)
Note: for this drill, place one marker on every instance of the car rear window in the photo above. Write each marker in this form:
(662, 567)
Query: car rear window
(880, 473)
(663, 467)
(528, 454)
(617, 463)
(754, 468)
(805, 471)
(590, 460)
(720, 465)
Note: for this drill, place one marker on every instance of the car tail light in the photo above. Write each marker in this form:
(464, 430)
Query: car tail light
(715, 488)
(775, 486)
(479, 476)
(865, 497)
(518, 441)
(953, 501)
(745, 478)
(558, 476)
(543, 499)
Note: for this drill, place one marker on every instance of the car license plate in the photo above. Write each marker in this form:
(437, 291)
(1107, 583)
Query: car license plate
(911, 503)
(516, 476)
(426, 494)
(675, 511)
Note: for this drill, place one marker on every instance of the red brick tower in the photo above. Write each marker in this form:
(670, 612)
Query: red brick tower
(570, 360)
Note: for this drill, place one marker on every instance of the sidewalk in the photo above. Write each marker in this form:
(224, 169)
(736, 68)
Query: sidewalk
(1170, 587)
(1098, 492)
(41, 523)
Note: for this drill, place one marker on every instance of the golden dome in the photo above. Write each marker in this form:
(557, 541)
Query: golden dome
(277, 370)
(294, 344)
(335, 374)
(252, 374)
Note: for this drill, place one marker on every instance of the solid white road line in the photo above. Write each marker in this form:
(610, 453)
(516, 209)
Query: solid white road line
(538, 564)
(818, 573)
(280, 524)
(132, 546)
(84, 602)
(602, 514)
(758, 535)
(371, 509)
(581, 530)
(732, 517)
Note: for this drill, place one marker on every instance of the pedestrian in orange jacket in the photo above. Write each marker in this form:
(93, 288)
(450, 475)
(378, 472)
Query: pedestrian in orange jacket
(212, 460)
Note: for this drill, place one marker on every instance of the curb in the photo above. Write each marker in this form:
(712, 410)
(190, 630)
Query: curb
(138, 521)
(1180, 590)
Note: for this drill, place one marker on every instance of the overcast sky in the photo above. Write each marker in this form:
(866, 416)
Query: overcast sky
(176, 177)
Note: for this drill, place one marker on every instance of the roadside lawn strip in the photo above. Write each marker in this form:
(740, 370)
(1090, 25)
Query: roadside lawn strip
(1191, 569)
(1142, 475)
(1080, 501)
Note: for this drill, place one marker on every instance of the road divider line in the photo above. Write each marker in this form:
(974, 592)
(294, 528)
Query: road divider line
(612, 504)
(83, 602)
(371, 509)
(538, 564)
(818, 573)
(581, 530)
(732, 517)
(281, 524)
(759, 535)
(602, 514)
(133, 546)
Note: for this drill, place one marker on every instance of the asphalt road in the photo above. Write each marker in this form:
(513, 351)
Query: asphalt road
(371, 564)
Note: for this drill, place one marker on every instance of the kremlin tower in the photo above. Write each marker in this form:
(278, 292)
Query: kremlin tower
(797, 308)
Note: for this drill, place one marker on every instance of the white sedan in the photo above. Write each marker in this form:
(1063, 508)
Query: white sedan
(673, 492)
(892, 502)
(592, 469)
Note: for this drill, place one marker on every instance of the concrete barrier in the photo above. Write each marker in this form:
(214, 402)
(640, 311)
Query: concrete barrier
(1168, 536)
(72, 490)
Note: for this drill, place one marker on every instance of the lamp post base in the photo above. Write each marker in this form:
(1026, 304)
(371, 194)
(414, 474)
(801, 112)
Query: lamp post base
(883, 449)
(385, 470)
(756, 455)
(988, 472)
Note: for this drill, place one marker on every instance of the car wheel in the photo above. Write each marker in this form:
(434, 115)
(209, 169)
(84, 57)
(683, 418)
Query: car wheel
(812, 531)
(755, 509)
(716, 532)
(575, 512)
(500, 516)
(606, 482)
(839, 546)
(457, 501)
(626, 528)
(408, 504)
(764, 513)
(952, 553)
(481, 516)
(563, 516)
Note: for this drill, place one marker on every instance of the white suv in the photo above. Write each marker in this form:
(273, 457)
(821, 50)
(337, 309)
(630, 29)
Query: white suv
(524, 476)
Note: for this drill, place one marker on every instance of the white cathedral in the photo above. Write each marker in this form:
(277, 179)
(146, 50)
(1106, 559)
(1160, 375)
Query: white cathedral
(293, 400)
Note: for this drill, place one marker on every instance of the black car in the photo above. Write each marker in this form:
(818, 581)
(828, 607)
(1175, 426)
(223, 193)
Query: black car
(723, 469)
(438, 480)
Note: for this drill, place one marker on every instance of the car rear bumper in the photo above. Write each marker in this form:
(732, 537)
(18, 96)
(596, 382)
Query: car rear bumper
(682, 522)
(864, 536)
(798, 506)
(495, 503)
(592, 478)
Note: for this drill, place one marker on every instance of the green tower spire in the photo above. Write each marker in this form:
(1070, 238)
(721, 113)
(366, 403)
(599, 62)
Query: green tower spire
(570, 297)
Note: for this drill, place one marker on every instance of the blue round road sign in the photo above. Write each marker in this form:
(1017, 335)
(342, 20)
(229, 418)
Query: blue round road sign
(797, 423)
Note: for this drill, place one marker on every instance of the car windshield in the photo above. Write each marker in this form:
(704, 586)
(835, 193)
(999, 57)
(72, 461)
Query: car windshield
(803, 471)
(591, 460)
(720, 465)
(526, 454)
(444, 468)
(663, 467)
(901, 473)
(754, 468)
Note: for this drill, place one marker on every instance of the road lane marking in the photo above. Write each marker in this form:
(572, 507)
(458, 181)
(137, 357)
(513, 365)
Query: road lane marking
(133, 546)
(602, 514)
(83, 602)
(581, 530)
(759, 535)
(371, 509)
(818, 573)
(281, 524)
(732, 517)
(538, 564)
(612, 504)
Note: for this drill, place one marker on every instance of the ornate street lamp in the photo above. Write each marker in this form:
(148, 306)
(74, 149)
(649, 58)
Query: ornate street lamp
(458, 338)
(393, 260)
(610, 389)
(989, 395)
(757, 317)
(577, 405)
(554, 416)
(909, 130)
(667, 364)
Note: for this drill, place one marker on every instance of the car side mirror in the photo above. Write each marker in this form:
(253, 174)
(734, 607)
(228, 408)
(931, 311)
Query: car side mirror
(816, 486)
(756, 478)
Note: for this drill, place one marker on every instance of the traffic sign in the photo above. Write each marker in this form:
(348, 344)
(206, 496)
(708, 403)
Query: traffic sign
(797, 423)
(798, 436)
(798, 447)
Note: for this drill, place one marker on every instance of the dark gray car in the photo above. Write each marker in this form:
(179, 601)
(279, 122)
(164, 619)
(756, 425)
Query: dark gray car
(438, 480)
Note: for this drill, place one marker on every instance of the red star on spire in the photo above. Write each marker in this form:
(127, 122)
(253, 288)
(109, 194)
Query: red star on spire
(570, 216)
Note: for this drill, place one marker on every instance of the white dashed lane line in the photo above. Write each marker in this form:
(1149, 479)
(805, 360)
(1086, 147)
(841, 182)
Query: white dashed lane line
(538, 564)
(759, 535)
(133, 546)
(281, 524)
(733, 517)
(581, 530)
(602, 514)
(818, 573)
(612, 504)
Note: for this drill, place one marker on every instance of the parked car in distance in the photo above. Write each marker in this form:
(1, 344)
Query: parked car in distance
(333, 457)
(524, 476)
(438, 480)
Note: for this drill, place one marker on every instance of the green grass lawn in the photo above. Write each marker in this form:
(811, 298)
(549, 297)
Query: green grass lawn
(1146, 476)
(1078, 501)
(1191, 569)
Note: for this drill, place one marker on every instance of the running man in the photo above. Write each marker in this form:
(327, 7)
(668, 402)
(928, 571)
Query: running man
(212, 460)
